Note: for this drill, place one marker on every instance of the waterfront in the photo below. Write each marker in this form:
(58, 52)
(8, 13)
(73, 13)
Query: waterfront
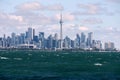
(41, 65)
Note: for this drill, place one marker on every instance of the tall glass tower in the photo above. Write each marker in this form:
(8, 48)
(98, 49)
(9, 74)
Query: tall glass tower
(89, 40)
(42, 39)
(30, 36)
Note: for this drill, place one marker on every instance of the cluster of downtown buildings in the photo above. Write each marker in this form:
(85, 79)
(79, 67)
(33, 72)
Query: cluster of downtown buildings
(32, 41)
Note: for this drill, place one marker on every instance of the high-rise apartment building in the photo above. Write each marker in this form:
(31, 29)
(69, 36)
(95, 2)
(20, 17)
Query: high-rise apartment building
(109, 46)
(67, 42)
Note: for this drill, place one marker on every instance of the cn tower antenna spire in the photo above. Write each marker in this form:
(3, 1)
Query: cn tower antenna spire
(61, 35)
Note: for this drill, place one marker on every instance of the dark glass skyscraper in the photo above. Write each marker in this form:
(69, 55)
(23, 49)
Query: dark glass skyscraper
(30, 34)
(89, 40)
(42, 39)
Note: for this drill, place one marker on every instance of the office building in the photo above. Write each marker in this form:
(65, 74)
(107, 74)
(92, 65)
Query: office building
(89, 40)
(67, 43)
(83, 41)
(77, 41)
(30, 34)
(41, 39)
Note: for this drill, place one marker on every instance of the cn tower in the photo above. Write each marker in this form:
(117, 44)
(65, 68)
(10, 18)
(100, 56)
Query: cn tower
(61, 37)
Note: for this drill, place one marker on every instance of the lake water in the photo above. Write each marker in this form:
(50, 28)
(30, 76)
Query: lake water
(37, 65)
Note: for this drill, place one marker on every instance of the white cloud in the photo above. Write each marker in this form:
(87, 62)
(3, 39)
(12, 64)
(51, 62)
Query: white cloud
(36, 6)
(30, 6)
(23, 20)
(83, 28)
(55, 7)
(14, 17)
(92, 20)
(10, 19)
(92, 9)
(38, 19)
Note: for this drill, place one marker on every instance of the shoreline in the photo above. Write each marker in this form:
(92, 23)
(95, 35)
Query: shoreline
(52, 50)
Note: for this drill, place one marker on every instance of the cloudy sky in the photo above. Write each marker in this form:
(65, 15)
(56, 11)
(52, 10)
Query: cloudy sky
(98, 16)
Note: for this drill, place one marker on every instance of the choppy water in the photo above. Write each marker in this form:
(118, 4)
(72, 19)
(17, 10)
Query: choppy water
(36, 65)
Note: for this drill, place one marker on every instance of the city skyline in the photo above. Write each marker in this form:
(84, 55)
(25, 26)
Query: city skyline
(29, 39)
(98, 16)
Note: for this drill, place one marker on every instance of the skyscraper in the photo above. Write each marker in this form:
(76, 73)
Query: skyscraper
(4, 41)
(42, 39)
(1, 42)
(83, 38)
(30, 36)
(33, 33)
(13, 35)
(109, 46)
(22, 38)
(67, 42)
(96, 44)
(8, 41)
(56, 36)
(50, 42)
(55, 41)
(77, 41)
(89, 40)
